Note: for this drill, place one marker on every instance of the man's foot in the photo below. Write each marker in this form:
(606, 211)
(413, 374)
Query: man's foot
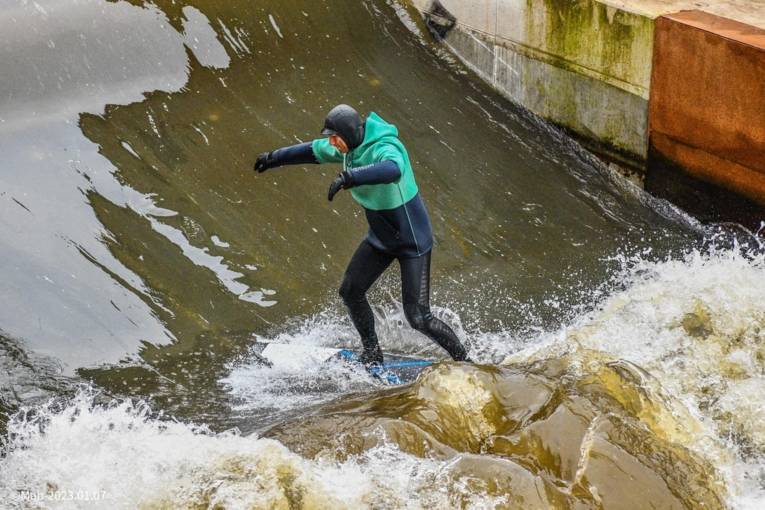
(460, 354)
(371, 357)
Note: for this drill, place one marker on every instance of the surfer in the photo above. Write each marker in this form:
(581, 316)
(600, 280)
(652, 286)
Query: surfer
(377, 171)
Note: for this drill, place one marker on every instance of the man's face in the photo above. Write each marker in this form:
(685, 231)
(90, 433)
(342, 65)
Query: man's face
(338, 143)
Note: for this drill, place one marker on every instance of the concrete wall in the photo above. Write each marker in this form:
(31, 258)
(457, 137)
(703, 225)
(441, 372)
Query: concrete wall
(592, 65)
(584, 65)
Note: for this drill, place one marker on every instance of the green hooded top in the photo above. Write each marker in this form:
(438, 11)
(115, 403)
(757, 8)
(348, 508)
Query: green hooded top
(380, 143)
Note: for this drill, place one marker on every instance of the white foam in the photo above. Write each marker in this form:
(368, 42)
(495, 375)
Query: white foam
(218, 242)
(276, 27)
(120, 457)
(130, 149)
(295, 381)
(696, 324)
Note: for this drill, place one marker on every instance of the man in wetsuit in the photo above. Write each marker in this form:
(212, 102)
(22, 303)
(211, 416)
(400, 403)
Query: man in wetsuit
(377, 171)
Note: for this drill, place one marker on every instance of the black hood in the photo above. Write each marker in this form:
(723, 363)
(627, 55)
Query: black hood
(346, 122)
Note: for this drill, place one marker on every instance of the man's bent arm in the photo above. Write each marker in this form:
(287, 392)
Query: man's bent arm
(383, 172)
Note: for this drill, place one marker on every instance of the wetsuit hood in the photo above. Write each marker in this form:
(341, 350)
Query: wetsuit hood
(344, 121)
(376, 130)
(381, 143)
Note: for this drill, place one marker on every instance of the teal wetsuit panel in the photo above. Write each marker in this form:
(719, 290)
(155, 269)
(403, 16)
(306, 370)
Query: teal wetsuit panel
(398, 220)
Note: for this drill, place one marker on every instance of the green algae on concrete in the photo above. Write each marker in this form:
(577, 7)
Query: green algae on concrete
(594, 39)
(584, 65)
(588, 107)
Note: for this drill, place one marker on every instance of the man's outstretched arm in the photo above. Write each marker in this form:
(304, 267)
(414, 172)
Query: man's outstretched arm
(299, 154)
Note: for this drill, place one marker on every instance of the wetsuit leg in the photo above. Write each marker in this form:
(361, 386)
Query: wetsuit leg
(415, 288)
(366, 265)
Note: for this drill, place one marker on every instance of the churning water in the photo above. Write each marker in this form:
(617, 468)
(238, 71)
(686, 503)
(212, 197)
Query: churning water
(619, 343)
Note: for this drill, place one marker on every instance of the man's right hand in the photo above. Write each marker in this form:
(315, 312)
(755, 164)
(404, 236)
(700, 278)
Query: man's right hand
(264, 162)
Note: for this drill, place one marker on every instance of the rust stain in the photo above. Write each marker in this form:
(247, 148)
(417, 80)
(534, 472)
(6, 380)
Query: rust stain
(707, 101)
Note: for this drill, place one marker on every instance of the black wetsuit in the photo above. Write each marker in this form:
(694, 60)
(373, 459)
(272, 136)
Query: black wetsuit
(366, 265)
(402, 233)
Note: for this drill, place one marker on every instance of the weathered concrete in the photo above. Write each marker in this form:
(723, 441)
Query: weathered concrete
(591, 66)
(582, 64)
(707, 105)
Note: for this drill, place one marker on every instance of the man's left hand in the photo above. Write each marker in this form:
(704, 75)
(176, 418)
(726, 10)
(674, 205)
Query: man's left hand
(342, 181)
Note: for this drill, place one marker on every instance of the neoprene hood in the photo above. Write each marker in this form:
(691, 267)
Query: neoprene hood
(344, 121)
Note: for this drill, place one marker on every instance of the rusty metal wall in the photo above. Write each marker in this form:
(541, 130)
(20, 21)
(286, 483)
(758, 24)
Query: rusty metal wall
(707, 101)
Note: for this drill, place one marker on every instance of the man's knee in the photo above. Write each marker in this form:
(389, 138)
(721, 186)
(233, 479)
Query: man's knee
(349, 292)
(417, 316)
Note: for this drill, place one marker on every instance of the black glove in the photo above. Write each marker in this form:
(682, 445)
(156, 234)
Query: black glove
(342, 181)
(264, 162)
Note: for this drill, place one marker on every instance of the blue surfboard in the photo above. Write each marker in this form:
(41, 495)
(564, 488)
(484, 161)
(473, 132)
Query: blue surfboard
(396, 368)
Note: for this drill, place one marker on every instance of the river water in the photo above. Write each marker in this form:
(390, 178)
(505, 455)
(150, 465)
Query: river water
(619, 342)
